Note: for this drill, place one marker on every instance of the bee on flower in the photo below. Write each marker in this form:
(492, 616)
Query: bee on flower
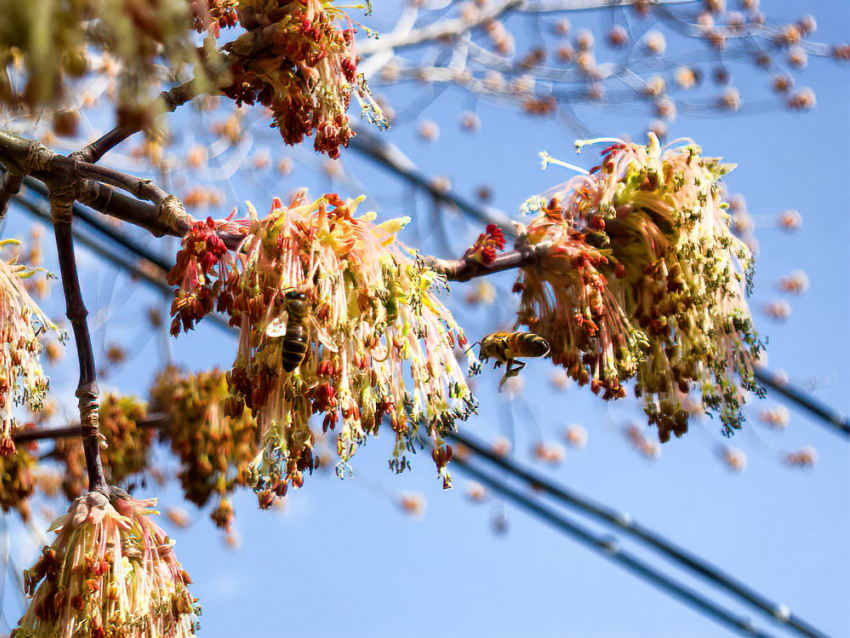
(643, 279)
(374, 342)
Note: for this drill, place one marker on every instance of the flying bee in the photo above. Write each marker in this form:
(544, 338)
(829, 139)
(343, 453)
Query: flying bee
(507, 347)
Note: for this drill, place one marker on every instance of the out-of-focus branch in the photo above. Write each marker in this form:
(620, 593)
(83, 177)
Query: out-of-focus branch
(390, 157)
(447, 29)
(167, 102)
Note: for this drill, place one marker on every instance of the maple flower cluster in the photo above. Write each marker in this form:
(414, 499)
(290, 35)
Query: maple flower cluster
(296, 59)
(18, 481)
(22, 380)
(644, 279)
(356, 319)
(215, 450)
(127, 445)
(39, 65)
(110, 571)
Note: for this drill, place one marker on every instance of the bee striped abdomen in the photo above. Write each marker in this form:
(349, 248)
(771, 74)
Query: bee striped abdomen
(294, 348)
(296, 342)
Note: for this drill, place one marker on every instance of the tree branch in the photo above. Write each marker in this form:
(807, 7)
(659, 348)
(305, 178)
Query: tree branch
(61, 201)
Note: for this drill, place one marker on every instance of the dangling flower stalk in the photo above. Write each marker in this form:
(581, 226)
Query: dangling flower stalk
(312, 281)
(22, 379)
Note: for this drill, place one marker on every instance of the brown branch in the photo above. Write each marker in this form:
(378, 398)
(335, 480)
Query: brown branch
(167, 102)
(9, 187)
(61, 201)
(466, 268)
(157, 420)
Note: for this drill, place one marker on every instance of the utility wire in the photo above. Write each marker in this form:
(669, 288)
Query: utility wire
(623, 521)
(605, 545)
(608, 547)
(830, 417)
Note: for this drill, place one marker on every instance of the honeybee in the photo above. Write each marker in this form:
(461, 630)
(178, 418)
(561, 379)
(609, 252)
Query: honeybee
(296, 333)
(506, 347)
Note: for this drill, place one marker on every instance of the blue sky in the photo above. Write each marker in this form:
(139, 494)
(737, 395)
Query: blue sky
(343, 559)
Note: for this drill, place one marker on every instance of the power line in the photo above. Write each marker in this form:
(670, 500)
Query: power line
(830, 417)
(623, 521)
(608, 547)
(605, 545)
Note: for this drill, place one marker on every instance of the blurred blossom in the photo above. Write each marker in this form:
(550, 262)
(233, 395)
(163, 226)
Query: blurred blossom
(685, 77)
(560, 379)
(413, 504)
(575, 435)
(514, 387)
(501, 446)
(777, 417)
(735, 459)
(654, 43)
(197, 157)
(428, 131)
(807, 24)
(797, 57)
(730, 100)
(797, 282)
(790, 220)
(779, 309)
(783, 82)
(802, 100)
(618, 36)
(469, 121)
(584, 40)
(285, 166)
(563, 26)
(178, 516)
(550, 452)
(805, 457)
(476, 492)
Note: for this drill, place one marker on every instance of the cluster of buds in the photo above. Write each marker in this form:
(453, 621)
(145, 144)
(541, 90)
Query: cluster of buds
(643, 278)
(215, 450)
(202, 259)
(127, 445)
(110, 571)
(296, 60)
(336, 319)
(22, 380)
(485, 247)
(18, 481)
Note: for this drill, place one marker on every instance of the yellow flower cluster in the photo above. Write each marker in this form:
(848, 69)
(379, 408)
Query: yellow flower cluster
(215, 450)
(22, 380)
(110, 571)
(644, 279)
(335, 318)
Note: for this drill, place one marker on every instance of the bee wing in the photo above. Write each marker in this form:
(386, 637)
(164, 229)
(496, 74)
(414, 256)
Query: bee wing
(323, 337)
(277, 327)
